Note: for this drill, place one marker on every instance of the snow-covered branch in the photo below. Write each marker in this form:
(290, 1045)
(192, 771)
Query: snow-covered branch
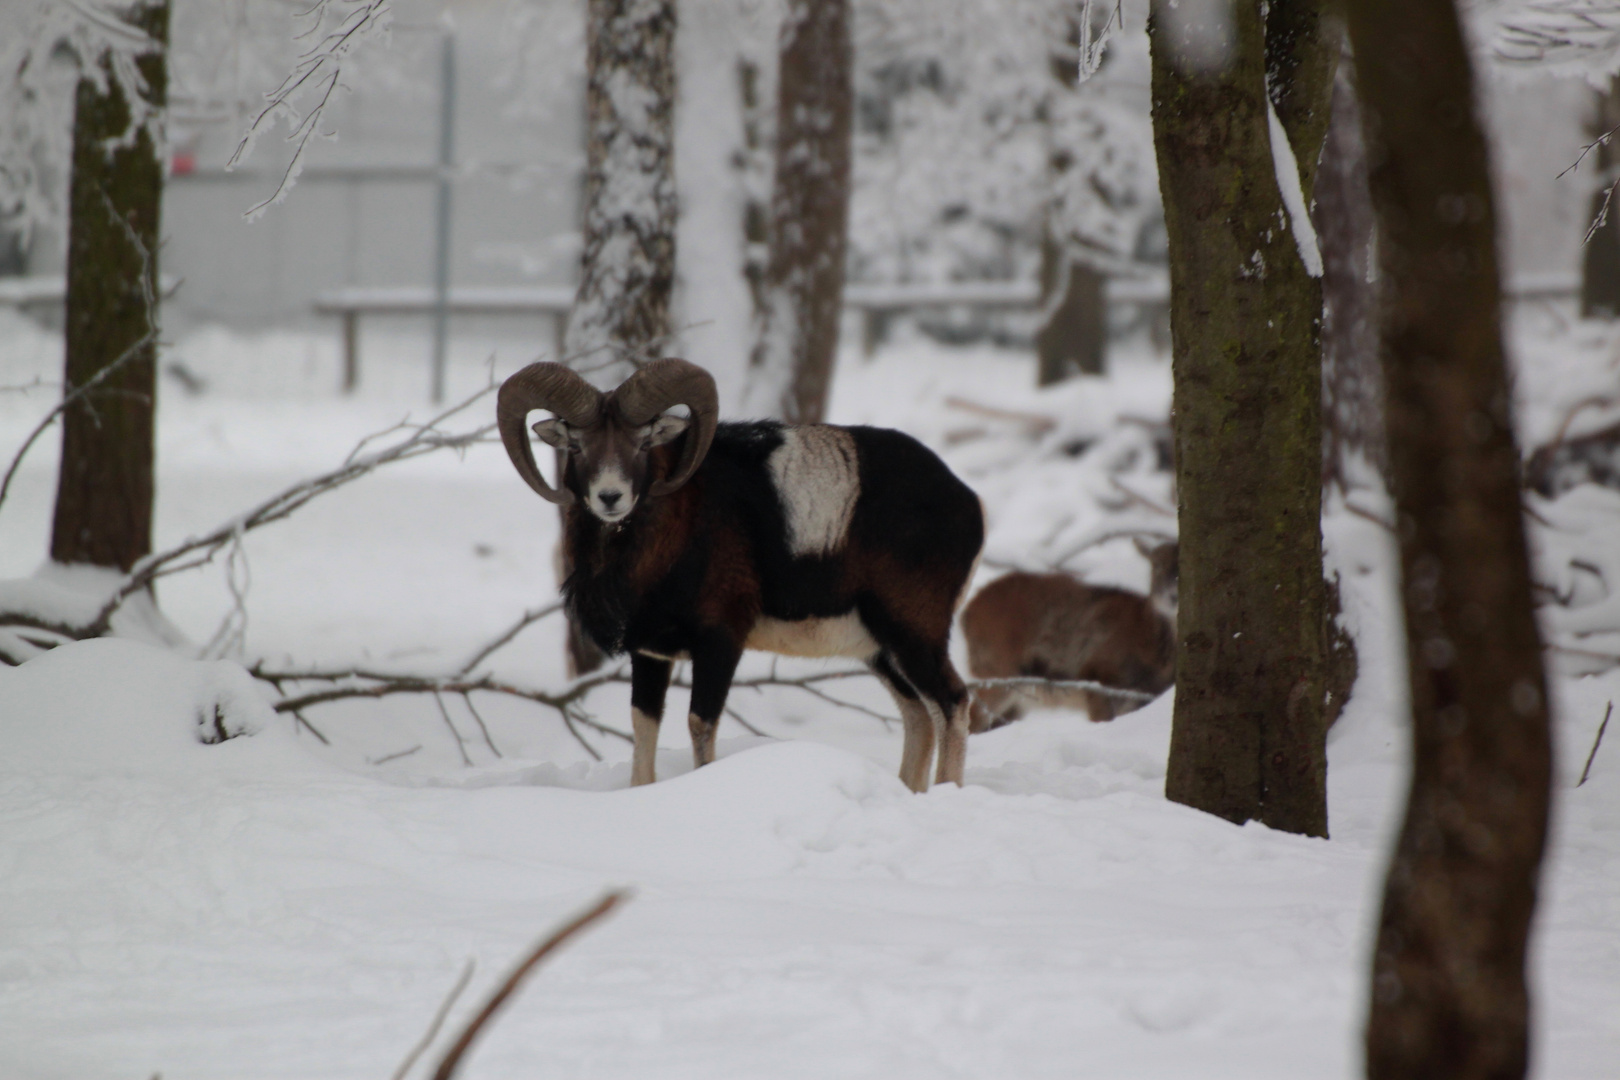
(402, 442)
(46, 47)
(335, 28)
(1571, 37)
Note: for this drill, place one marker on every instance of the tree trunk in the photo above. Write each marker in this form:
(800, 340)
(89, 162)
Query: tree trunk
(621, 312)
(1600, 260)
(1352, 385)
(1248, 738)
(1073, 339)
(1448, 990)
(105, 484)
(791, 366)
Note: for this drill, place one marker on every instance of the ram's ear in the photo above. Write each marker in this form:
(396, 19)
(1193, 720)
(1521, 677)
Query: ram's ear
(663, 430)
(556, 432)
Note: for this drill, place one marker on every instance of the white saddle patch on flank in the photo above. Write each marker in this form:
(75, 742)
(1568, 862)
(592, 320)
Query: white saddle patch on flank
(818, 480)
(841, 635)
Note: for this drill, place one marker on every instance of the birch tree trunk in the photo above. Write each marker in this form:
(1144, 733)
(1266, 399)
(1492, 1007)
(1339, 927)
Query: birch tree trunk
(105, 485)
(1248, 738)
(790, 370)
(1449, 998)
(620, 317)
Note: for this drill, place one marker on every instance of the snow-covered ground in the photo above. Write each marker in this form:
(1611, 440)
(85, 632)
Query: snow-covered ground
(272, 907)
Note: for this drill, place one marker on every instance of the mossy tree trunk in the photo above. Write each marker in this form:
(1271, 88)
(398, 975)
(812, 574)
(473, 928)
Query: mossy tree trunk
(105, 482)
(792, 363)
(1248, 738)
(1448, 989)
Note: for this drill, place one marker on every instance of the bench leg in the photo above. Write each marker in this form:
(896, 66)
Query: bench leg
(559, 332)
(351, 351)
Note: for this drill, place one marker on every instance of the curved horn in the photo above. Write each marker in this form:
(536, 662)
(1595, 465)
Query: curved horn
(543, 386)
(658, 386)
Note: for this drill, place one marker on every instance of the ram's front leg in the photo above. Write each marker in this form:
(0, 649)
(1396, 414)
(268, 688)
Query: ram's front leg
(714, 662)
(649, 681)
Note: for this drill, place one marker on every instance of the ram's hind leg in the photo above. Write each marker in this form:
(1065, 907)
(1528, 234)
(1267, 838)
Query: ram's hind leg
(649, 682)
(929, 671)
(957, 712)
(918, 753)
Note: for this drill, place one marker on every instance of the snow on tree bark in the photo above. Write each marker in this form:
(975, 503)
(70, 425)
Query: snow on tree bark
(1248, 738)
(1449, 998)
(790, 370)
(1352, 386)
(621, 312)
(104, 489)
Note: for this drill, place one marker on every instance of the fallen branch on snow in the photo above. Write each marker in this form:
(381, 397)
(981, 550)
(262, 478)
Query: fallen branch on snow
(452, 1058)
(415, 440)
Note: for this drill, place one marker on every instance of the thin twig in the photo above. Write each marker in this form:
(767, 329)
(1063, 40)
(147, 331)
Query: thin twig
(1602, 214)
(1590, 654)
(461, 744)
(1137, 497)
(529, 618)
(1106, 537)
(1368, 514)
(313, 730)
(568, 722)
(737, 716)
(1601, 140)
(1596, 743)
(452, 1059)
(466, 699)
(395, 756)
(438, 1022)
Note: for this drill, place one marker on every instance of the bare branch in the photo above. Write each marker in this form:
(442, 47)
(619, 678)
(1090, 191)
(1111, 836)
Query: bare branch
(395, 756)
(1118, 693)
(320, 70)
(438, 1022)
(737, 716)
(529, 618)
(461, 744)
(466, 699)
(420, 439)
(452, 1059)
(1596, 743)
(313, 730)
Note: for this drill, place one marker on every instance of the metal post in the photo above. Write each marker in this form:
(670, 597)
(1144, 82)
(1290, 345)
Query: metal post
(441, 252)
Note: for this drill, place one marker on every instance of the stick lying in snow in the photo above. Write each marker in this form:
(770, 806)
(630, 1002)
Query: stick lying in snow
(438, 1022)
(1596, 743)
(452, 1058)
(364, 683)
(569, 701)
(1033, 683)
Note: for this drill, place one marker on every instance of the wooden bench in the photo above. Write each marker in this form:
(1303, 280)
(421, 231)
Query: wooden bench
(552, 301)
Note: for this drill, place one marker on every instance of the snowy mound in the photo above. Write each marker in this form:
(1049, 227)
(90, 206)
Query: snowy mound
(122, 706)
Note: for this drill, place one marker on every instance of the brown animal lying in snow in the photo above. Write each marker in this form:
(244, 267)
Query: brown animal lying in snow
(1050, 626)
